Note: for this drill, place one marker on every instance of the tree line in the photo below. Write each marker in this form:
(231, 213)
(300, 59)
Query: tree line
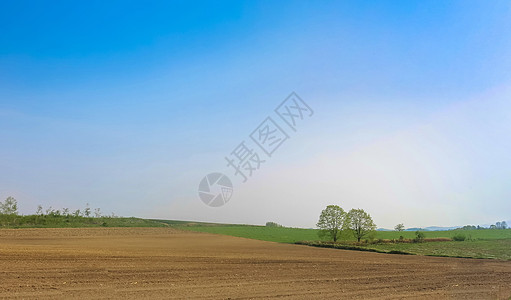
(10, 207)
(9, 215)
(498, 225)
(334, 222)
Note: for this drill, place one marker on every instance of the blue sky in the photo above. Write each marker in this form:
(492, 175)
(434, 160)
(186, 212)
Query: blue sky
(127, 105)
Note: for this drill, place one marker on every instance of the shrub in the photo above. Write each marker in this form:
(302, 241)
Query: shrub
(419, 237)
(273, 224)
(459, 237)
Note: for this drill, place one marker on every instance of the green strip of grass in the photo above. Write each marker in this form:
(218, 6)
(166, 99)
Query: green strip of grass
(486, 234)
(272, 234)
(293, 235)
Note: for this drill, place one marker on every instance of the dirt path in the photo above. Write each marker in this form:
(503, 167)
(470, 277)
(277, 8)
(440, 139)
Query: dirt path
(140, 263)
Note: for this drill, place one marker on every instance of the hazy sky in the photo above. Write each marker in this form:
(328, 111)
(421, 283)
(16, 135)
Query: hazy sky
(128, 105)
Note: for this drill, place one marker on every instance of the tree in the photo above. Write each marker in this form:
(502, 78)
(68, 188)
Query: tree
(39, 210)
(503, 224)
(9, 206)
(498, 225)
(49, 211)
(331, 221)
(360, 223)
(493, 227)
(97, 213)
(273, 224)
(469, 227)
(86, 212)
(399, 227)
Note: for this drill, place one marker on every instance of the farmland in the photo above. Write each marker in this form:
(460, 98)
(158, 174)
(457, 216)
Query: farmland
(486, 243)
(167, 263)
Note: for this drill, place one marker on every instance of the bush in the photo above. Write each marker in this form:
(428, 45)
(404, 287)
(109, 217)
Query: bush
(273, 224)
(419, 237)
(459, 237)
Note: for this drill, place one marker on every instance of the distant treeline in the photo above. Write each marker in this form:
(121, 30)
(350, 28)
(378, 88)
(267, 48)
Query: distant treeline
(273, 224)
(50, 217)
(498, 225)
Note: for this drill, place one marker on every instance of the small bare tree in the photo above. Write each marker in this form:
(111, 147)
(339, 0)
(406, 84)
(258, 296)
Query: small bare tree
(49, 211)
(399, 227)
(87, 210)
(9, 206)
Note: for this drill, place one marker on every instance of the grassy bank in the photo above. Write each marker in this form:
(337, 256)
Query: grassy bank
(492, 249)
(60, 221)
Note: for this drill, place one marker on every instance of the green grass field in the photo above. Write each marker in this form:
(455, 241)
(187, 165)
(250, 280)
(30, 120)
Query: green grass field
(491, 248)
(486, 243)
(487, 234)
(292, 235)
(273, 234)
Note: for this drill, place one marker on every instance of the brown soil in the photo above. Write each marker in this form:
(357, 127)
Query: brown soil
(166, 263)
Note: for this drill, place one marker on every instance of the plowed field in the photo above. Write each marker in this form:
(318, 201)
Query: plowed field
(136, 263)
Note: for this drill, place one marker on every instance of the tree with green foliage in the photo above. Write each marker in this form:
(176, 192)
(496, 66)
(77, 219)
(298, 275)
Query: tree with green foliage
(9, 206)
(469, 227)
(500, 225)
(360, 223)
(331, 222)
(399, 227)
